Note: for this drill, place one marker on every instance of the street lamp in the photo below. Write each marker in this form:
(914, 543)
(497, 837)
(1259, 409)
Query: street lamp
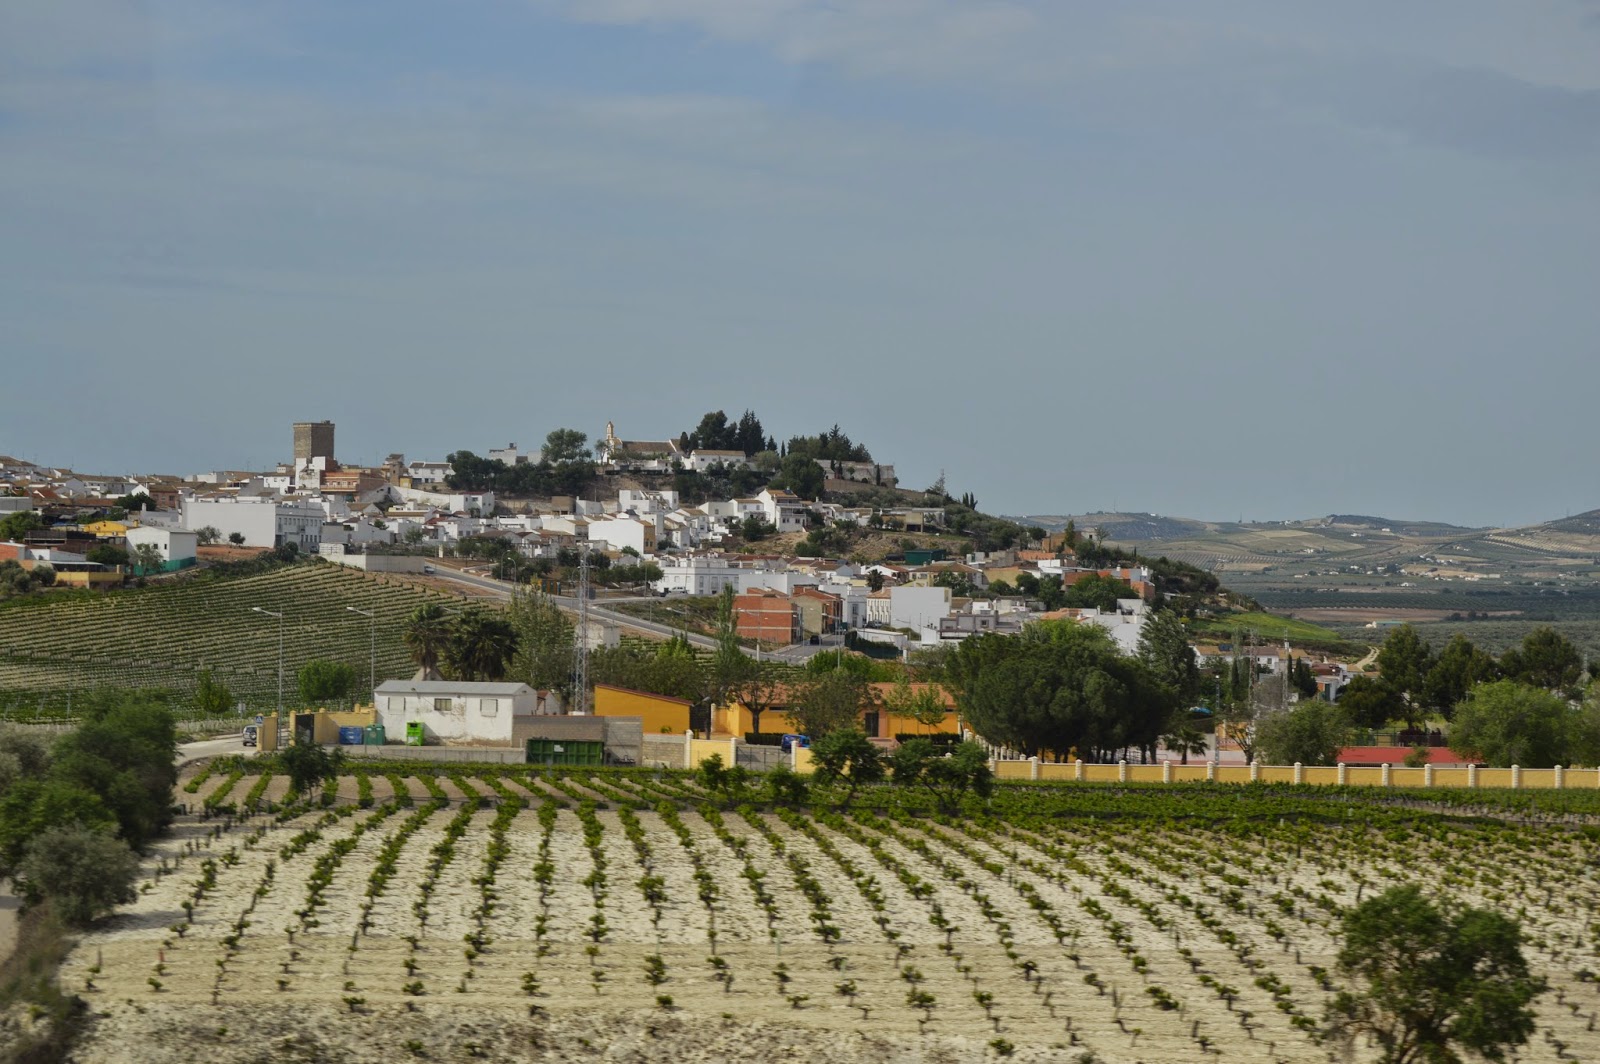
(372, 616)
(279, 616)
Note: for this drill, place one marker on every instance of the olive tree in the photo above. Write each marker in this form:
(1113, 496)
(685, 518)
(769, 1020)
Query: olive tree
(82, 871)
(1432, 981)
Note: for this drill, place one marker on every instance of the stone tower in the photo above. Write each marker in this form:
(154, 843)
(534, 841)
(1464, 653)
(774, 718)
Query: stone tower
(312, 439)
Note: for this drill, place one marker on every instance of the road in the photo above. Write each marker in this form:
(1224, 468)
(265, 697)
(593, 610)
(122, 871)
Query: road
(501, 589)
(226, 744)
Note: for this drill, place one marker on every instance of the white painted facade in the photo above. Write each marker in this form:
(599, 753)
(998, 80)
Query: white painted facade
(920, 609)
(696, 575)
(453, 712)
(175, 544)
(263, 521)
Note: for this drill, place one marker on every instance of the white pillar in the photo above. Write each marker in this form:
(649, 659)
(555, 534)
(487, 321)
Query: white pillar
(733, 751)
(1516, 777)
(1033, 767)
(1560, 778)
(1211, 771)
(1299, 772)
(1385, 777)
(1472, 775)
(1122, 772)
(1077, 770)
(1427, 775)
(688, 748)
(1344, 774)
(1166, 772)
(1255, 771)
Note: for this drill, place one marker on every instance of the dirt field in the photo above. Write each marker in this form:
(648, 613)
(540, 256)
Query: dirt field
(526, 931)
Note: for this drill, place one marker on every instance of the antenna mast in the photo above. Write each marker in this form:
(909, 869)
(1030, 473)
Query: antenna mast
(580, 640)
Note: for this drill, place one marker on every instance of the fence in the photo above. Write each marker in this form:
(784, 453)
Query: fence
(1471, 776)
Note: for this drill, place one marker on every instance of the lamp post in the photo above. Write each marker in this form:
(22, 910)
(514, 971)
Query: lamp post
(279, 616)
(372, 617)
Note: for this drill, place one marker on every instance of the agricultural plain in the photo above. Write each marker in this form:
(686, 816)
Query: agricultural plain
(625, 916)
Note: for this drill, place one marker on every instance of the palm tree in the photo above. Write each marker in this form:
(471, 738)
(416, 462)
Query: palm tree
(426, 635)
(480, 647)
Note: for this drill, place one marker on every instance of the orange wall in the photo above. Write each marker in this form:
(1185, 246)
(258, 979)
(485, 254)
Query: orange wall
(657, 714)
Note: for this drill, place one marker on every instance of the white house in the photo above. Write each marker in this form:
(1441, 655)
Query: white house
(920, 609)
(263, 521)
(452, 711)
(783, 510)
(703, 460)
(696, 574)
(176, 545)
(624, 530)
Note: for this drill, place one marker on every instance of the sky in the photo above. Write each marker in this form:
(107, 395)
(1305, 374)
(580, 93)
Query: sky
(1250, 258)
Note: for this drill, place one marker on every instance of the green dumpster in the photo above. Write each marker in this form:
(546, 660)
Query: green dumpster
(414, 733)
(565, 752)
(375, 735)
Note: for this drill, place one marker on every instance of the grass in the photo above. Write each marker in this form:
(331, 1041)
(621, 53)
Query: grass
(1269, 627)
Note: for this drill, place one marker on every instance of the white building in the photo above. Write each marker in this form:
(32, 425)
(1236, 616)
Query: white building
(705, 460)
(624, 530)
(177, 546)
(263, 521)
(920, 609)
(453, 712)
(696, 574)
(783, 510)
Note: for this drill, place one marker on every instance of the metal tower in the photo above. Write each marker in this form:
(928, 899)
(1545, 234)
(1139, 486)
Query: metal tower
(580, 637)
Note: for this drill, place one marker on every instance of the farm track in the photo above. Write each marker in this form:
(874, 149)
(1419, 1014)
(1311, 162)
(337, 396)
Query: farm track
(1047, 934)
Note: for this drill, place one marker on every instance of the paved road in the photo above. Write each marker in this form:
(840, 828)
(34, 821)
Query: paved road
(226, 744)
(501, 589)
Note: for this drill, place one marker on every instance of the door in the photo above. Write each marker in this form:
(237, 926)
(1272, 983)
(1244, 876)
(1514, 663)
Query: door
(305, 729)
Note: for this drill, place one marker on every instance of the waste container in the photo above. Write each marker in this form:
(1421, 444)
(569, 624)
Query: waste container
(349, 736)
(414, 733)
(375, 735)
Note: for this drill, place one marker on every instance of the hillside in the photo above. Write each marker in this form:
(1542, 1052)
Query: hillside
(1346, 571)
(163, 635)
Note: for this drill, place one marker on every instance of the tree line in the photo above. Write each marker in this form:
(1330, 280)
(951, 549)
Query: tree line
(74, 812)
(1527, 707)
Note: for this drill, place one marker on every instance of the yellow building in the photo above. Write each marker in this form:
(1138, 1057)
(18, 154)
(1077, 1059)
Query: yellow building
(659, 714)
(109, 529)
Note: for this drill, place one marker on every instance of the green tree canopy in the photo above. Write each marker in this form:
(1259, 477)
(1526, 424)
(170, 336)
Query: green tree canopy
(846, 756)
(1405, 660)
(801, 475)
(545, 642)
(1059, 687)
(1509, 723)
(1164, 649)
(826, 703)
(426, 635)
(1545, 659)
(321, 681)
(1433, 982)
(1311, 733)
(1459, 668)
(1371, 702)
(211, 697)
(947, 777)
(480, 647)
(84, 871)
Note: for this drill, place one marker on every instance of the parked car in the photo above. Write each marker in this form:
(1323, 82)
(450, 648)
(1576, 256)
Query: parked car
(249, 735)
(789, 742)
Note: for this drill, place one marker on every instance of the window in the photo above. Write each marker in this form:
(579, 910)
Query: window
(488, 707)
(396, 704)
(441, 705)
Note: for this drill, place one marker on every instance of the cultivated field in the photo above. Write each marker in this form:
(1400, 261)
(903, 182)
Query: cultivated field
(510, 915)
(163, 635)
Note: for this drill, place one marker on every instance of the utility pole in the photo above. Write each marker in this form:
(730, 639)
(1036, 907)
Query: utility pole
(580, 641)
(279, 616)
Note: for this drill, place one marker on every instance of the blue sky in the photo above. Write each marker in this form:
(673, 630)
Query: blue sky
(1260, 259)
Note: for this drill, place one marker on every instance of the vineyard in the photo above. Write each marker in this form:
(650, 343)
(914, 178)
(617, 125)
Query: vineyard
(162, 636)
(507, 914)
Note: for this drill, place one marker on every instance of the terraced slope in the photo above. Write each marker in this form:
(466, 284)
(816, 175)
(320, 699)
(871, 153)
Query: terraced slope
(161, 637)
